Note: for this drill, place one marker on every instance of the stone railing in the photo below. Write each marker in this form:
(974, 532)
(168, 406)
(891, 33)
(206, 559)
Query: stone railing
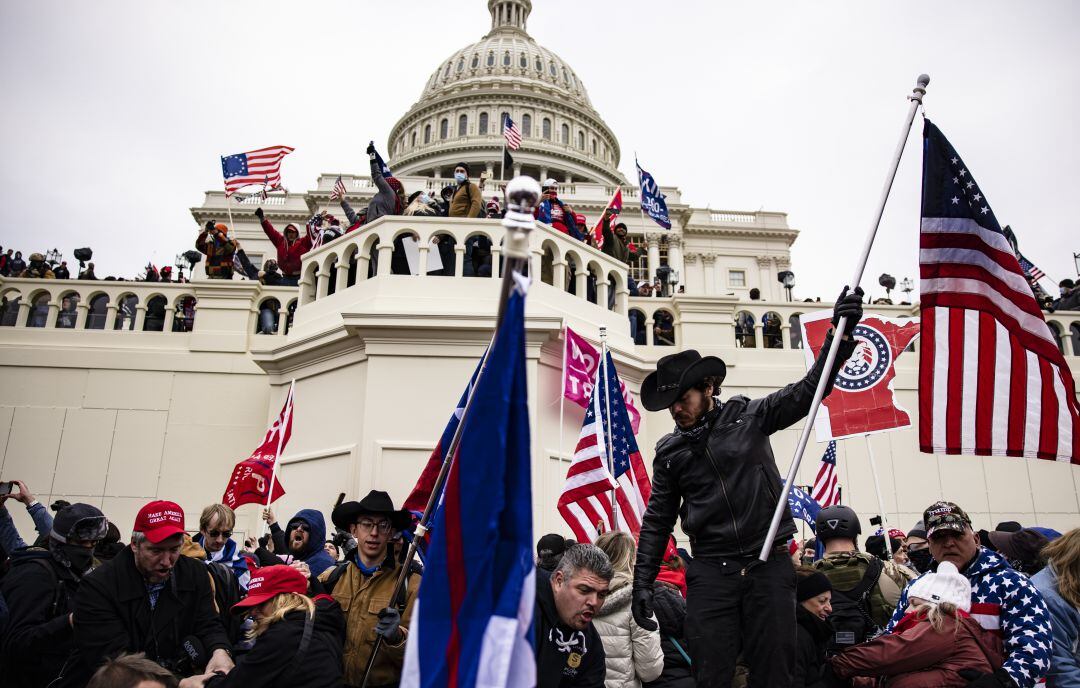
(456, 248)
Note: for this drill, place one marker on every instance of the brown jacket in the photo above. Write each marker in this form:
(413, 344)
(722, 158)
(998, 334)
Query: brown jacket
(362, 598)
(920, 657)
(467, 201)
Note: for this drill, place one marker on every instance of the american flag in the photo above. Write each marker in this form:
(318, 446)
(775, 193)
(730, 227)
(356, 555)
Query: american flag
(826, 491)
(1030, 268)
(261, 166)
(338, 191)
(992, 380)
(511, 133)
(585, 503)
(803, 506)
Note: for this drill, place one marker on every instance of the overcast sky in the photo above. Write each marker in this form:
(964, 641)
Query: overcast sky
(115, 113)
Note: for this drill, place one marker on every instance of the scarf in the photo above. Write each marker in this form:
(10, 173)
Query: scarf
(696, 432)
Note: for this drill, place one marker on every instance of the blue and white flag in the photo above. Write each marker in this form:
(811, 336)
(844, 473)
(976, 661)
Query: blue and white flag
(803, 506)
(383, 167)
(472, 620)
(652, 201)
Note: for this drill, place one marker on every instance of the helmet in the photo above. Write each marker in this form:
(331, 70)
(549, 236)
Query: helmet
(837, 521)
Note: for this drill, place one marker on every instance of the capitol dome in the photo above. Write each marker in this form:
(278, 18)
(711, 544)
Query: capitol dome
(459, 114)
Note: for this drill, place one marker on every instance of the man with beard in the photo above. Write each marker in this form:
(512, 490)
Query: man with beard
(40, 591)
(717, 474)
(303, 539)
(363, 584)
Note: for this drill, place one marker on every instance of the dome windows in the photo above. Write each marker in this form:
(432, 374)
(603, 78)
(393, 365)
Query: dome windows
(580, 139)
(539, 65)
(526, 125)
(506, 59)
(523, 61)
(564, 136)
(446, 72)
(565, 76)
(491, 59)
(475, 61)
(463, 127)
(460, 65)
(483, 123)
(427, 133)
(551, 68)
(444, 128)
(546, 130)
(594, 146)
(412, 141)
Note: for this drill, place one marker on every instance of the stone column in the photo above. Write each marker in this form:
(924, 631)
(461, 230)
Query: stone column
(759, 341)
(602, 293)
(785, 334)
(54, 311)
(283, 317)
(581, 285)
(170, 316)
(82, 310)
(543, 173)
(675, 258)
(110, 316)
(386, 250)
(708, 261)
(140, 317)
(362, 265)
(496, 253)
(765, 280)
(459, 260)
(622, 302)
(490, 167)
(558, 274)
(322, 284)
(421, 260)
(342, 280)
(652, 241)
(649, 334)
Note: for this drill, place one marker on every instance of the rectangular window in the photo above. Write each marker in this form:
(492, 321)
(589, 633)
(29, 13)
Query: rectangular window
(736, 278)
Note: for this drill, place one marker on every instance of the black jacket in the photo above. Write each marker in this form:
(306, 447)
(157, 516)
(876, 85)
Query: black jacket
(725, 486)
(113, 613)
(39, 592)
(559, 648)
(812, 637)
(670, 608)
(276, 651)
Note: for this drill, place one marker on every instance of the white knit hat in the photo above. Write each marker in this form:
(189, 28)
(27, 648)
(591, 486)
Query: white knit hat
(946, 585)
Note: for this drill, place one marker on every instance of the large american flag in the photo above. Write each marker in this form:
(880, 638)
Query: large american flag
(826, 490)
(586, 500)
(991, 377)
(262, 166)
(511, 133)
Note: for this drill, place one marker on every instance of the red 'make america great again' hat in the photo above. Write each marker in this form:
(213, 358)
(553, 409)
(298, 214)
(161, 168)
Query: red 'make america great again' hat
(160, 520)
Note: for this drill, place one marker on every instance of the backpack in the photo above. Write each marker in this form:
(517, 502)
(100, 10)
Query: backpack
(850, 619)
(227, 592)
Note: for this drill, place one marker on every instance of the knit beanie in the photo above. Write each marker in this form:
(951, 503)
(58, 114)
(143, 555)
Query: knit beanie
(812, 586)
(945, 585)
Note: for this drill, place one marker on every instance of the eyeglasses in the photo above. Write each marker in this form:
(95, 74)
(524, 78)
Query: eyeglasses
(372, 526)
(219, 533)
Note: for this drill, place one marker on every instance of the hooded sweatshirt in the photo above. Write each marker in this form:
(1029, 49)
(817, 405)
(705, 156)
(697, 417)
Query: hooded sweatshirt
(313, 555)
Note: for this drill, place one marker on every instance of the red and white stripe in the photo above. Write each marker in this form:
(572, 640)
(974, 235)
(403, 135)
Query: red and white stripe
(512, 134)
(263, 166)
(338, 192)
(826, 492)
(992, 380)
(987, 615)
(585, 503)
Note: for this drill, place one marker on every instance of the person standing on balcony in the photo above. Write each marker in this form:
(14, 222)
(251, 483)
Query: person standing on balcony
(468, 199)
(388, 200)
(214, 242)
(552, 211)
(17, 264)
(62, 271)
(290, 246)
(716, 472)
(38, 268)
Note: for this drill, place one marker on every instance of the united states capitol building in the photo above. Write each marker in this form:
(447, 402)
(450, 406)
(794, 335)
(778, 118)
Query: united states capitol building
(116, 404)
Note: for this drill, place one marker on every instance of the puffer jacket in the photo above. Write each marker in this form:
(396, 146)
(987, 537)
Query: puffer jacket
(725, 486)
(1065, 624)
(917, 656)
(631, 653)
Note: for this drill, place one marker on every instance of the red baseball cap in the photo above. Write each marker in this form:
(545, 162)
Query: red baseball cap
(269, 582)
(159, 520)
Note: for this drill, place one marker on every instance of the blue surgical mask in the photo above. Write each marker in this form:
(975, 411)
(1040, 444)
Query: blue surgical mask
(425, 199)
(459, 177)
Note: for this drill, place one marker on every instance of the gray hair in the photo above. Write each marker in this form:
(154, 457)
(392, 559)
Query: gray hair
(137, 537)
(585, 557)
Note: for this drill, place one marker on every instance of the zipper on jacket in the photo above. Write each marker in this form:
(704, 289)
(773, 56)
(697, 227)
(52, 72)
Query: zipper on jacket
(723, 488)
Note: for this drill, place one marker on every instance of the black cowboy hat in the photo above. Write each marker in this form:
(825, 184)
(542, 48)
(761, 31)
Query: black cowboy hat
(377, 503)
(677, 373)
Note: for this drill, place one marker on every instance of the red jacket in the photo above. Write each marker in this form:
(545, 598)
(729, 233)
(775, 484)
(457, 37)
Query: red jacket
(288, 255)
(914, 655)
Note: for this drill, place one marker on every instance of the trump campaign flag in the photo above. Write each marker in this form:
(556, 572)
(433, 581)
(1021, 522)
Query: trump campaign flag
(252, 478)
(863, 399)
(803, 506)
(582, 361)
(472, 620)
(652, 201)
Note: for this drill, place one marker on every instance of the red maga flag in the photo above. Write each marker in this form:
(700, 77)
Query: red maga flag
(615, 204)
(252, 477)
(992, 380)
(862, 400)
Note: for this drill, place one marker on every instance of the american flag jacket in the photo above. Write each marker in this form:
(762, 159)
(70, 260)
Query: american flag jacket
(1004, 602)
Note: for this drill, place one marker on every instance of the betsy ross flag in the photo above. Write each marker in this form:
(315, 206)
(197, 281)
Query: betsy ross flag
(251, 479)
(338, 192)
(511, 133)
(803, 506)
(262, 166)
(826, 492)
(586, 500)
(472, 620)
(615, 204)
(992, 380)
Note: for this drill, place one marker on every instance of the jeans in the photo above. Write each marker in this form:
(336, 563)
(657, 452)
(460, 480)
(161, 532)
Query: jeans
(729, 612)
(290, 280)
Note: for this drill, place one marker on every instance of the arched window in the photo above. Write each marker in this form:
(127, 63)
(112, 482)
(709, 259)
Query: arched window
(475, 61)
(551, 69)
(1074, 332)
(771, 331)
(155, 314)
(427, 133)
(564, 137)
(526, 125)
(491, 60)
(412, 140)
(463, 125)
(744, 330)
(523, 61)
(69, 309)
(637, 326)
(444, 128)
(95, 319)
(446, 72)
(594, 146)
(546, 131)
(565, 76)
(539, 64)
(460, 65)
(1054, 327)
(663, 328)
(581, 140)
(39, 311)
(506, 59)
(483, 123)
(796, 333)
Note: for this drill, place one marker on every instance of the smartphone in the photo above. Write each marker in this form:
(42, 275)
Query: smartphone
(6, 487)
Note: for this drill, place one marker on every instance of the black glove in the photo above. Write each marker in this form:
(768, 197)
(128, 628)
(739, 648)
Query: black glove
(371, 150)
(849, 305)
(209, 226)
(642, 609)
(389, 626)
(977, 679)
(259, 214)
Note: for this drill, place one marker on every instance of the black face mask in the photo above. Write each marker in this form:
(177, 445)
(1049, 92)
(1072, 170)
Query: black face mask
(81, 558)
(920, 559)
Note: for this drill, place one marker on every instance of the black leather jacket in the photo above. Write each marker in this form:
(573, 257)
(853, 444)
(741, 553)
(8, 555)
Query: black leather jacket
(725, 486)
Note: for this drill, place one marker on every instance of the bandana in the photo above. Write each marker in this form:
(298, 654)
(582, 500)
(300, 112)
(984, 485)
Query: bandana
(698, 430)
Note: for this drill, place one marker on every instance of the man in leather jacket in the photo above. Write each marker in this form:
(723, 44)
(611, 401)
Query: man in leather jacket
(717, 474)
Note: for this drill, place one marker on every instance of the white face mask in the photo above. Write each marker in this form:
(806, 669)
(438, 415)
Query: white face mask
(459, 177)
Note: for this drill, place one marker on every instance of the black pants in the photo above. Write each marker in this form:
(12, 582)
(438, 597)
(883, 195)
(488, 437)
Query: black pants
(729, 613)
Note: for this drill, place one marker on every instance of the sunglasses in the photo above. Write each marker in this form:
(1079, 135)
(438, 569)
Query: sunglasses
(219, 533)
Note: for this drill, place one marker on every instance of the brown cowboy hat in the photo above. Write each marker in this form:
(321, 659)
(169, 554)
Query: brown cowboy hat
(677, 373)
(377, 503)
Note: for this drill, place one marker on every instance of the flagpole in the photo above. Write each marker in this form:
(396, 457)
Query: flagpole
(522, 195)
(502, 163)
(880, 499)
(277, 456)
(610, 424)
(562, 393)
(916, 100)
